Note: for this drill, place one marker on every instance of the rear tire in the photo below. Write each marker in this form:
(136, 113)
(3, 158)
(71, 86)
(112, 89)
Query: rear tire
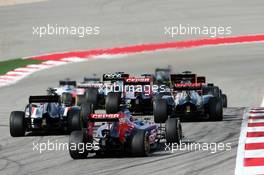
(215, 109)
(112, 103)
(17, 124)
(80, 99)
(214, 90)
(86, 110)
(140, 146)
(173, 130)
(91, 96)
(160, 110)
(77, 138)
(224, 99)
(74, 120)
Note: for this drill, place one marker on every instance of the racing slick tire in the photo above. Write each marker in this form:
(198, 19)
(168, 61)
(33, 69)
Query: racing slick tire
(91, 96)
(224, 99)
(173, 130)
(215, 109)
(17, 124)
(214, 90)
(77, 138)
(74, 120)
(66, 98)
(160, 110)
(80, 99)
(86, 110)
(140, 145)
(112, 102)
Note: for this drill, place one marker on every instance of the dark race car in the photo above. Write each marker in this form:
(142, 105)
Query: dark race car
(162, 76)
(190, 98)
(45, 113)
(67, 91)
(120, 133)
(136, 93)
(91, 90)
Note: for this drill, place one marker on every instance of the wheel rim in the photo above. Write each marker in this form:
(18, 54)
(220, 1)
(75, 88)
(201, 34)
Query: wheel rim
(146, 144)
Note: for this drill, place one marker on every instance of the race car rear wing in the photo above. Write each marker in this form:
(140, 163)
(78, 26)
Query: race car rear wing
(147, 75)
(70, 83)
(86, 79)
(178, 78)
(187, 86)
(138, 81)
(201, 79)
(90, 85)
(115, 77)
(105, 117)
(44, 99)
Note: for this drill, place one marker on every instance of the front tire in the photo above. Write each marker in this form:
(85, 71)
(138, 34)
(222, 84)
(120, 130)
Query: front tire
(17, 124)
(76, 139)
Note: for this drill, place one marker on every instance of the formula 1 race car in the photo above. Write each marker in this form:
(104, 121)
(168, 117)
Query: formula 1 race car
(45, 113)
(162, 76)
(190, 97)
(120, 133)
(136, 93)
(91, 90)
(67, 91)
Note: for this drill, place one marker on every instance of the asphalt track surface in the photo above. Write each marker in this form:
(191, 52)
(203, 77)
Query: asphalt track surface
(238, 69)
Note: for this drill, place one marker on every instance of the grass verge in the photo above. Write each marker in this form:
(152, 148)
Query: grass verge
(9, 65)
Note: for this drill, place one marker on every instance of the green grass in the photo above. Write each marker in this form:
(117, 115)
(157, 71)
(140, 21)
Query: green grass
(9, 65)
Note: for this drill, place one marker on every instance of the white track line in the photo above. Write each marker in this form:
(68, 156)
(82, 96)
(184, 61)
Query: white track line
(74, 59)
(255, 120)
(254, 153)
(15, 72)
(25, 69)
(254, 140)
(256, 114)
(255, 129)
(253, 171)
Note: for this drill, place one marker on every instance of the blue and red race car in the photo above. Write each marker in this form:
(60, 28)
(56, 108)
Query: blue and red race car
(120, 132)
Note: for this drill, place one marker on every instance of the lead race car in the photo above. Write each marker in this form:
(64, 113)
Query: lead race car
(45, 113)
(121, 133)
(162, 76)
(91, 90)
(67, 91)
(137, 94)
(190, 98)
